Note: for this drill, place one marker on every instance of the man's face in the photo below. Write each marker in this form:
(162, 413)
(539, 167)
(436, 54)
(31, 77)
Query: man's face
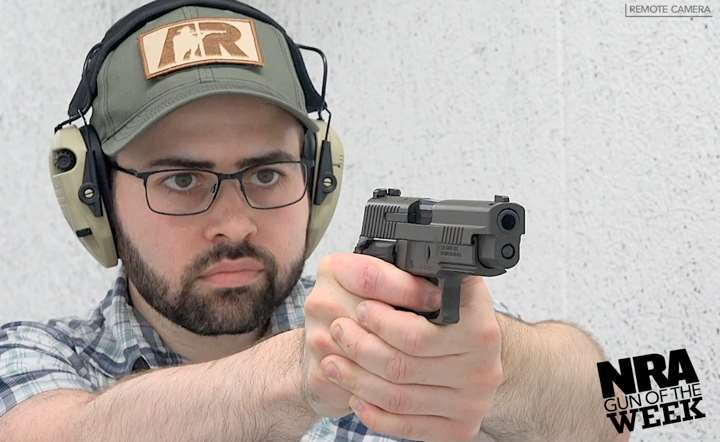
(165, 257)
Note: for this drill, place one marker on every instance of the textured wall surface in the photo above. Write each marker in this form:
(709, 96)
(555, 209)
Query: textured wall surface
(605, 128)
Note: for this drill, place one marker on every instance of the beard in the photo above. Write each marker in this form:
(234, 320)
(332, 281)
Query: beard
(207, 311)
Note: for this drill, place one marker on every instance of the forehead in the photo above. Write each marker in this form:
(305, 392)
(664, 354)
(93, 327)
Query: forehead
(218, 126)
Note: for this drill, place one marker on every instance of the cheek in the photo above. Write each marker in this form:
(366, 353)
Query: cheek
(283, 231)
(169, 244)
(155, 236)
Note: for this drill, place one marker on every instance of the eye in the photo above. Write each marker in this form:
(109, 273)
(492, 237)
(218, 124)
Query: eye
(182, 181)
(265, 177)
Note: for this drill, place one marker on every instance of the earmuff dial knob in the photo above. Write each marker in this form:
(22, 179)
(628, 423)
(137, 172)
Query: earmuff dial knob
(64, 160)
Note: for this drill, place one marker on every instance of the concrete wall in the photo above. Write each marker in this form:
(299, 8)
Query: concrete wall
(604, 127)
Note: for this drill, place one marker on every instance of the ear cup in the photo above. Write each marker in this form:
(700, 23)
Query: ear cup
(321, 214)
(68, 163)
(68, 158)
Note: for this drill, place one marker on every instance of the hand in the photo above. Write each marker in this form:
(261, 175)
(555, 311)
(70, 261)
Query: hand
(408, 377)
(343, 281)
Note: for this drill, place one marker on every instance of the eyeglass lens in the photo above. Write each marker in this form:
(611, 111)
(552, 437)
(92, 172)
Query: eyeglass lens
(190, 191)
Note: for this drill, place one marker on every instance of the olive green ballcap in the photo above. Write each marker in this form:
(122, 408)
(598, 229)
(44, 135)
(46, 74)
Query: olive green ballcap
(187, 54)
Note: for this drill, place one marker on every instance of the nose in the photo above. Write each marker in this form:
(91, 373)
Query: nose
(230, 218)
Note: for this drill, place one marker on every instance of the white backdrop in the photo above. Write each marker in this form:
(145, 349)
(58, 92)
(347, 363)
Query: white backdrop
(604, 127)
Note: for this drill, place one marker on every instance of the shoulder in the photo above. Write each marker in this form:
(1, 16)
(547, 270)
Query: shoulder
(67, 337)
(64, 353)
(58, 336)
(38, 357)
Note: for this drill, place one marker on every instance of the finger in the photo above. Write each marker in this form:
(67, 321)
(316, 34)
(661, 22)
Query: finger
(414, 335)
(475, 294)
(427, 428)
(323, 394)
(378, 357)
(401, 399)
(326, 302)
(373, 278)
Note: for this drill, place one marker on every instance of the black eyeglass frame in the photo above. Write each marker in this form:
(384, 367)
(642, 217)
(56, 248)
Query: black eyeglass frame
(308, 165)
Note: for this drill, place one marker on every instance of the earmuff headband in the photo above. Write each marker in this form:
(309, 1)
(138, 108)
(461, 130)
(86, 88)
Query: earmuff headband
(87, 89)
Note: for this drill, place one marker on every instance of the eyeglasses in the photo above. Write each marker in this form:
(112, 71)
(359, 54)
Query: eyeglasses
(182, 192)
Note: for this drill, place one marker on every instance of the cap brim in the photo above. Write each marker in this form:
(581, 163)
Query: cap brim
(181, 96)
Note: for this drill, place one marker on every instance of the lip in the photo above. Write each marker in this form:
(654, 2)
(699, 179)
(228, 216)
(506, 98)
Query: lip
(239, 265)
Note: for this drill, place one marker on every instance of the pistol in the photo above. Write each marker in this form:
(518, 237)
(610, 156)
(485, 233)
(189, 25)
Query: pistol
(443, 241)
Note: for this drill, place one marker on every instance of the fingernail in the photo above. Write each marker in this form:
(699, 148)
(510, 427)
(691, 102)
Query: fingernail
(336, 331)
(331, 371)
(361, 313)
(432, 301)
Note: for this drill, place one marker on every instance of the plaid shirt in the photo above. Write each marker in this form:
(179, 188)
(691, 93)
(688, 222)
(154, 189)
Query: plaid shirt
(93, 353)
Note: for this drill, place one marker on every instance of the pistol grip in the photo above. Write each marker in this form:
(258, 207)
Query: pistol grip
(449, 282)
(450, 304)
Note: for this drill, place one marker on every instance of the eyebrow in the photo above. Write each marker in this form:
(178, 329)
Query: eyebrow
(176, 161)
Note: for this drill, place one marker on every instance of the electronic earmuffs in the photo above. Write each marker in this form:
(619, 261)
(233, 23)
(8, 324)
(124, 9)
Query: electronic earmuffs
(80, 171)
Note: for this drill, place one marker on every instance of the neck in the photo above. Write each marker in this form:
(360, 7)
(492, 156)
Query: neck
(192, 346)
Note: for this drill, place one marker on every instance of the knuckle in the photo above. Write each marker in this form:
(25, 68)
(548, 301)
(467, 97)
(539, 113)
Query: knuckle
(396, 401)
(369, 278)
(354, 349)
(313, 340)
(489, 334)
(408, 430)
(320, 343)
(397, 368)
(410, 297)
(322, 305)
(350, 380)
(412, 341)
(313, 305)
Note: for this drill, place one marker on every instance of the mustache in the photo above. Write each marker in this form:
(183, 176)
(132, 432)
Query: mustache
(230, 252)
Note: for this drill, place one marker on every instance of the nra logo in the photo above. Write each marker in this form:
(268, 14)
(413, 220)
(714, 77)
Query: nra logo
(199, 41)
(676, 398)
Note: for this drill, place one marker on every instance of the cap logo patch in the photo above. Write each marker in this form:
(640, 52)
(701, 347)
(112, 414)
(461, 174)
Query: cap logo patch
(199, 41)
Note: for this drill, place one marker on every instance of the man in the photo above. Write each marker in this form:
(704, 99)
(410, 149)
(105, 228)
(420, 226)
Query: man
(210, 334)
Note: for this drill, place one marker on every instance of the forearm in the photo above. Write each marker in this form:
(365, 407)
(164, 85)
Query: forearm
(551, 390)
(246, 397)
